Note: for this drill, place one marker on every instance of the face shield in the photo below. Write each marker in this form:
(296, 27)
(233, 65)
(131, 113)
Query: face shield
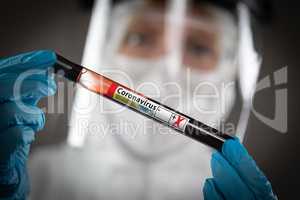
(184, 54)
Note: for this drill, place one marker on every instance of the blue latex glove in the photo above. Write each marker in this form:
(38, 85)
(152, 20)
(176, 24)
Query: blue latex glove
(236, 176)
(20, 118)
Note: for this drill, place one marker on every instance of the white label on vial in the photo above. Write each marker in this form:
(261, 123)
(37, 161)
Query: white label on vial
(150, 108)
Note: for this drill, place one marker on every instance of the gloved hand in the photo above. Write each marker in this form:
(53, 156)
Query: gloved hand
(236, 176)
(24, 80)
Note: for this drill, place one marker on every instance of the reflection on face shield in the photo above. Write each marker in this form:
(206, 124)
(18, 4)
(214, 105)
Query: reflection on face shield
(146, 32)
(142, 32)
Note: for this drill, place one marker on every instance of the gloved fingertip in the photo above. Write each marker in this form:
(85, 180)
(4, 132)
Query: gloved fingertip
(233, 150)
(217, 163)
(40, 123)
(216, 157)
(210, 191)
(208, 185)
(37, 90)
(20, 114)
(28, 135)
(44, 120)
(47, 89)
(52, 87)
(40, 58)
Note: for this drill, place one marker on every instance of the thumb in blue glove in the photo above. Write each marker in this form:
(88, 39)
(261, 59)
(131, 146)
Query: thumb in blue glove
(20, 117)
(236, 176)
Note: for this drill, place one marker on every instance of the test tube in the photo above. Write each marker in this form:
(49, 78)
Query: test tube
(141, 104)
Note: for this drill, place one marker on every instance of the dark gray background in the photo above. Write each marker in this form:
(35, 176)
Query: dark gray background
(62, 26)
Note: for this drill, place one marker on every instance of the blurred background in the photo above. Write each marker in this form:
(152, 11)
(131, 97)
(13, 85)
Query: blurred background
(62, 26)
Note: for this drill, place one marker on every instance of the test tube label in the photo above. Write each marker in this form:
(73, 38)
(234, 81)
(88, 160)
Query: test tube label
(163, 114)
(148, 107)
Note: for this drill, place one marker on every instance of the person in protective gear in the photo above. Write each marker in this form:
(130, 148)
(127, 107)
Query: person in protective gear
(165, 50)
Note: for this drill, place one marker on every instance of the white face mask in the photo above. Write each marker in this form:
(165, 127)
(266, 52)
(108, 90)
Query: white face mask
(143, 136)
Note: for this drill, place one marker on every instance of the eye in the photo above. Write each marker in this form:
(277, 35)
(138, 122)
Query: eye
(198, 49)
(200, 53)
(136, 39)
